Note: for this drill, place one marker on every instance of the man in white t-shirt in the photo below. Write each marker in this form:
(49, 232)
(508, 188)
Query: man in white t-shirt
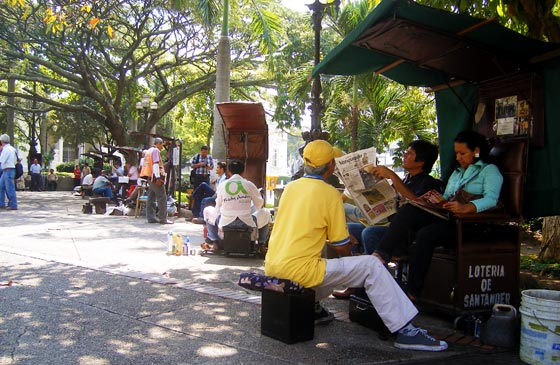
(88, 179)
(238, 202)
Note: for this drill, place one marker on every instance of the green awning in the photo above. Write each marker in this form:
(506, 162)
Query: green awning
(455, 54)
(421, 46)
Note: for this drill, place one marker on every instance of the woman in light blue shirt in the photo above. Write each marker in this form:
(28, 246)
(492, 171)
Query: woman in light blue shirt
(473, 175)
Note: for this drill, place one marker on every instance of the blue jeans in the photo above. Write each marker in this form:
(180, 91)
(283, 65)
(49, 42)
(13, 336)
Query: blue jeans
(106, 192)
(353, 213)
(202, 191)
(213, 229)
(206, 202)
(368, 237)
(8, 188)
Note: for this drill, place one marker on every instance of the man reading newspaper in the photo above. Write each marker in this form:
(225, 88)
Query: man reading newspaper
(418, 160)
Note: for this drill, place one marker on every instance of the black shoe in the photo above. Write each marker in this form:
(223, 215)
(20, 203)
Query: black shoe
(322, 316)
(209, 241)
(197, 220)
(152, 221)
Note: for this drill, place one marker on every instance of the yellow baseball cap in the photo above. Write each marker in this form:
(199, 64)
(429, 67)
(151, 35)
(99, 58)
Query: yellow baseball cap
(337, 152)
(318, 153)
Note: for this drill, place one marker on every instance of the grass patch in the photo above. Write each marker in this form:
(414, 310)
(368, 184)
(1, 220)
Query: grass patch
(549, 268)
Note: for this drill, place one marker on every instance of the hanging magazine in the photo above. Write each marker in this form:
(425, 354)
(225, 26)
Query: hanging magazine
(375, 198)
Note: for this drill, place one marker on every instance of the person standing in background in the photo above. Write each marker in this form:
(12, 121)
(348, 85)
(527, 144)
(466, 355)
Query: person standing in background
(8, 159)
(77, 176)
(154, 172)
(201, 165)
(86, 170)
(35, 170)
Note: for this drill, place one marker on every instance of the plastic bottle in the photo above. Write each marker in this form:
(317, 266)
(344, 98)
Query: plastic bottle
(170, 242)
(178, 249)
(187, 246)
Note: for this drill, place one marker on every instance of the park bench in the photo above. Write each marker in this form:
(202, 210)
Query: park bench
(87, 191)
(100, 204)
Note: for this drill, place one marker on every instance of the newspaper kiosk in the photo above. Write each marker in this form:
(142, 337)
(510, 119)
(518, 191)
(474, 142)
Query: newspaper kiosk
(488, 78)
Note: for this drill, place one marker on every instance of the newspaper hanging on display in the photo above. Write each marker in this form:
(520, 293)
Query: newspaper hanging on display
(375, 198)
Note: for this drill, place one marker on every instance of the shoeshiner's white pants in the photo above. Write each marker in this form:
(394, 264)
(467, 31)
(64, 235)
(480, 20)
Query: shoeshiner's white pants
(367, 271)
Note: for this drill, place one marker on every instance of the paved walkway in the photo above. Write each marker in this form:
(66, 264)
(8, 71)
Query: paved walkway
(95, 289)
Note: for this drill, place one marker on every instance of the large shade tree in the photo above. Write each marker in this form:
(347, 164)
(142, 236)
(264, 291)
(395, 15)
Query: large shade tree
(100, 72)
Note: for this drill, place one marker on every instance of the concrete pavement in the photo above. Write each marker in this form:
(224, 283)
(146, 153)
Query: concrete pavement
(95, 289)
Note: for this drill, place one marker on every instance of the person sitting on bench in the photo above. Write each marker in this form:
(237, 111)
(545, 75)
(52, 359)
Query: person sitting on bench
(52, 180)
(102, 186)
(310, 213)
(238, 201)
(204, 193)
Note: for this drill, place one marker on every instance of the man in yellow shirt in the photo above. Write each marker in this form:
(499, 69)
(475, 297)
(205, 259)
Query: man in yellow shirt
(310, 213)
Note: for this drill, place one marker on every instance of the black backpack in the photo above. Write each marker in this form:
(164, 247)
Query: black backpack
(19, 168)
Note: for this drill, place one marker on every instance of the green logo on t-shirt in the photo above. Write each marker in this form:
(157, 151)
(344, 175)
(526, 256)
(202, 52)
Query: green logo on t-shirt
(239, 185)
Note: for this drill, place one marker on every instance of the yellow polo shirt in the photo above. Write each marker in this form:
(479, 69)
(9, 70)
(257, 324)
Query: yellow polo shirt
(310, 213)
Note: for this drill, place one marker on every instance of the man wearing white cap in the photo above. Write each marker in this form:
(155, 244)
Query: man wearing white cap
(154, 172)
(310, 213)
(8, 160)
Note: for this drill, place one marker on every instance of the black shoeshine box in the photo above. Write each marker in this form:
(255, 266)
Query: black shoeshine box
(288, 317)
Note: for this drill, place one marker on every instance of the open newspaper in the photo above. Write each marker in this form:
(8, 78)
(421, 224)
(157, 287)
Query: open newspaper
(375, 198)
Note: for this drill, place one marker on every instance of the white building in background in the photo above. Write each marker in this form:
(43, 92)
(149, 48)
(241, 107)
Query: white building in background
(277, 164)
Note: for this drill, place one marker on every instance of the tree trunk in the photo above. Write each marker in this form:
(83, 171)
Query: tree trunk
(222, 95)
(354, 121)
(10, 110)
(550, 248)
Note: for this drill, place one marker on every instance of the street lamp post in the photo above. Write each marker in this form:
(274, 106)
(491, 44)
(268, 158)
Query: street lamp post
(32, 135)
(318, 9)
(144, 107)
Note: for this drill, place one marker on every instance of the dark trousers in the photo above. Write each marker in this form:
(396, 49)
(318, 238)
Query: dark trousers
(51, 185)
(202, 191)
(428, 231)
(35, 182)
(156, 198)
(199, 179)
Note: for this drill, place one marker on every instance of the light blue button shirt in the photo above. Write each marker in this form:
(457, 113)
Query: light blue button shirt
(477, 178)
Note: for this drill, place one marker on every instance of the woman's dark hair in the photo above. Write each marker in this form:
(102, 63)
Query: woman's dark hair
(473, 140)
(426, 152)
(236, 167)
(222, 165)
